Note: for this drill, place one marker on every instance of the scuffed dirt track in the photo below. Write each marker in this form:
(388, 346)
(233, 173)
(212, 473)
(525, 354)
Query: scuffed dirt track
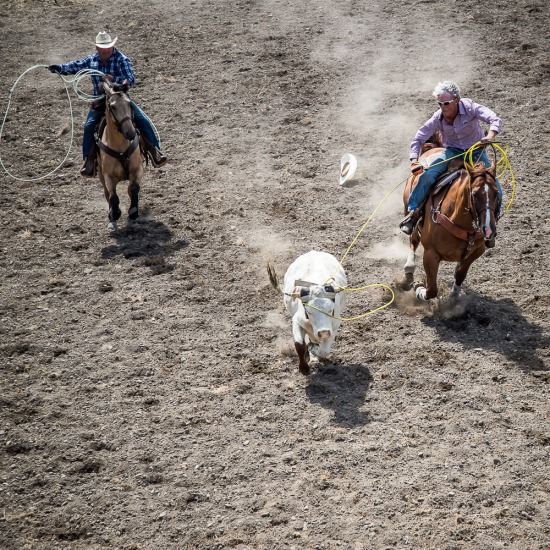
(150, 396)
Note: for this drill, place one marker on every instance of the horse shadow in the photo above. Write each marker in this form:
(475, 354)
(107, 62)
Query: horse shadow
(342, 389)
(498, 325)
(147, 242)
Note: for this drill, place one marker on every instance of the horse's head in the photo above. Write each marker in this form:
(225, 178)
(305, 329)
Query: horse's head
(484, 195)
(119, 108)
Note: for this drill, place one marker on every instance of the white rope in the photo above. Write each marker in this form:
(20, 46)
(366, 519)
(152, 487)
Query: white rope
(6, 116)
(80, 94)
(86, 97)
(83, 73)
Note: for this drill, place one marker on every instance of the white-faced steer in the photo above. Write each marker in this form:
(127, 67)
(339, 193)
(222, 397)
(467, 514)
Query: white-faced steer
(314, 294)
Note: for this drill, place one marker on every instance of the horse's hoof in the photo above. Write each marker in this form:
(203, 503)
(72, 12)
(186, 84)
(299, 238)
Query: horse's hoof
(112, 227)
(406, 285)
(420, 291)
(129, 223)
(133, 213)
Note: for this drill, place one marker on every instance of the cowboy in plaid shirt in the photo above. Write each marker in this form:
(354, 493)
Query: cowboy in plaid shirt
(118, 67)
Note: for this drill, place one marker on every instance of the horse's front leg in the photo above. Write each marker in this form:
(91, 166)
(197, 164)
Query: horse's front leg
(462, 268)
(410, 266)
(431, 267)
(133, 193)
(109, 187)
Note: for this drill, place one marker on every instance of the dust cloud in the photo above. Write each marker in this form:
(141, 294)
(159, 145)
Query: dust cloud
(394, 251)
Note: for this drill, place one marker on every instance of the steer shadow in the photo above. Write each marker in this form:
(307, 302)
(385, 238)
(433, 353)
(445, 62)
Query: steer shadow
(497, 325)
(147, 241)
(342, 389)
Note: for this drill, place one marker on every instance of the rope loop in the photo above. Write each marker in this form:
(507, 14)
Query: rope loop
(363, 314)
(74, 81)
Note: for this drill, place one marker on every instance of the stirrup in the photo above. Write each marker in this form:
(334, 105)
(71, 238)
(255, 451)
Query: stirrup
(157, 158)
(408, 223)
(490, 243)
(88, 169)
(154, 153)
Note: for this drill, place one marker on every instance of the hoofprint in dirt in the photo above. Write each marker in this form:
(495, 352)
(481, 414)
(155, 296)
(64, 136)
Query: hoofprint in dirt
(150, 395)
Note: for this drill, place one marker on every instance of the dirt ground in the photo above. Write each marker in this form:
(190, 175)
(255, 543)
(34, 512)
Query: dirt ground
(150, 393)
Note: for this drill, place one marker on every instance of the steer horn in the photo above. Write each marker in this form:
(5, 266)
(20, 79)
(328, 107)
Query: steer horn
(300, 292)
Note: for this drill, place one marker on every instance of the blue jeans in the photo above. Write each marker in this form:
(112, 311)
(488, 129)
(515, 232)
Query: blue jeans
(430, 175)
(94, 116)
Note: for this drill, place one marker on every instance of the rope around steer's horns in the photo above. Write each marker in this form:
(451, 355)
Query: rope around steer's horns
(307, 304)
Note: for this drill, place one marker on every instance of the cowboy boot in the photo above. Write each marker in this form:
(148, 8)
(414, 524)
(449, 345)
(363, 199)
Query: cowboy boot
(88, 167)
(156, 156)
(409, 222)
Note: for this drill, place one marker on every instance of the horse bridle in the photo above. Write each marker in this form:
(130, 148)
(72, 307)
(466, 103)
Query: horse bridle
(473, 212)
(119, 123)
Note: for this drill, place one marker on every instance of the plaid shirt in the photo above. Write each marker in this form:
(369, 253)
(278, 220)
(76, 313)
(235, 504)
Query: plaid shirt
(118, 66)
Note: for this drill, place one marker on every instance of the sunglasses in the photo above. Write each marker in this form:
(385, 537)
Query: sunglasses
(441, 103)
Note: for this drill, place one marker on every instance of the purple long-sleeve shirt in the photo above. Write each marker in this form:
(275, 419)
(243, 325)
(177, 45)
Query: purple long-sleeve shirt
(118, 66)
(463, 133)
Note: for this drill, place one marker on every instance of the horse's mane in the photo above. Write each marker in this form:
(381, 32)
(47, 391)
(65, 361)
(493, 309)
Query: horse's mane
(434, 141)
(119, 88)
(479, 170)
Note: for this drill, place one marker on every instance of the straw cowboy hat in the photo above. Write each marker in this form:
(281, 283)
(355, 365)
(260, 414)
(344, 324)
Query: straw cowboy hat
(103, 40)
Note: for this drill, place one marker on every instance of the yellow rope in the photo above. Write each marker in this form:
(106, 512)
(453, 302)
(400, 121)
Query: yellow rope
(363, 314)
(503, 163)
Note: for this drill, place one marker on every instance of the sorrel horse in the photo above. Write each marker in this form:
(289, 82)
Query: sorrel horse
(458, 225)
(120, 157)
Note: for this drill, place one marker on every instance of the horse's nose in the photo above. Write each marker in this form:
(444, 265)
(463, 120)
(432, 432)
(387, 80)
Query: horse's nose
(130, 134)
(323, 334)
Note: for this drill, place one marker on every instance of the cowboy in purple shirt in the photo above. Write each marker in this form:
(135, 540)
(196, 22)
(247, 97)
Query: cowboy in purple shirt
(118, 67)
(458, 121)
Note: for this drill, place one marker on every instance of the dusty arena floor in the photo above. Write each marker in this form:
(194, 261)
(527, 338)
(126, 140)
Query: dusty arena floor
(150, 396)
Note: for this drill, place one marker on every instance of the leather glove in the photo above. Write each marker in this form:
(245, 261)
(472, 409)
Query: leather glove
(54, 69)
(416, 167)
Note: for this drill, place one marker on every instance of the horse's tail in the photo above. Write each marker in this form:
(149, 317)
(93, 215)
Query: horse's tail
(272, 274)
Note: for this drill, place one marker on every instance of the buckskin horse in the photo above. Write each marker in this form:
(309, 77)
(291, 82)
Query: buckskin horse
(120, 157)
(458, 225)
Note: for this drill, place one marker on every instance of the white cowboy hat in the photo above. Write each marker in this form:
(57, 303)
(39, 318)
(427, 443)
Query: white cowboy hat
(348, 165)
(103, 40)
